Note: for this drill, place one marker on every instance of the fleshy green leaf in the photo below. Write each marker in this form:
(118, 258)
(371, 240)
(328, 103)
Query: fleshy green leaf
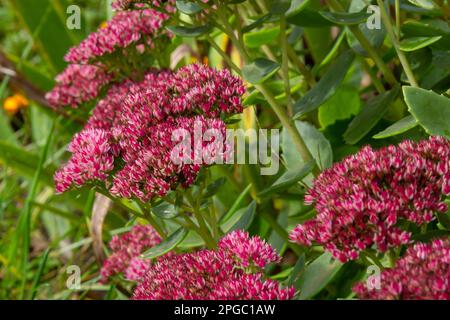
(431, 110)
(316, 142)
(183, 31)
(399, 127)
(166, 245)
(260, 70)
(188, 7)
(369, 116)
(416, 43)
(288, 179)
(241, 220)
(317, 275)
(342, 105)
(264, 36)
(346, 18)
(326, 87)
(165, 210)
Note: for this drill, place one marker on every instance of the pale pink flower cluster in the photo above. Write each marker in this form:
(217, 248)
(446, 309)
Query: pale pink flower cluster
(137, 28)
(78, 84)
(363, 200)
(136, 122)
(233, 271)
(422, 273)
(126, 250)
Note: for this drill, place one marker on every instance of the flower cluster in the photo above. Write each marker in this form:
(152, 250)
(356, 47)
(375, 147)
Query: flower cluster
(77, 84)
(135, 122)
(232, 271)
(126, 250)
(364, 200)
(422, 273)
(140, 28)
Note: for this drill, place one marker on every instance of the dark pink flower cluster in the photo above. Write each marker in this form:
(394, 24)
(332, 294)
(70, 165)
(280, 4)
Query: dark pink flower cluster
(138, 28)
(126, 250)
(77, 84)
(362, 200)
(422, 273)
(136, 122)
(232, 271)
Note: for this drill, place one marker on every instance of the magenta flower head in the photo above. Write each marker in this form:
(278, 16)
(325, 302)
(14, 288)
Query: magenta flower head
(232, 271)
(77, 84)
(363, 200)
(422, 273)
(142, 126)
(126, 250)
(130, 30)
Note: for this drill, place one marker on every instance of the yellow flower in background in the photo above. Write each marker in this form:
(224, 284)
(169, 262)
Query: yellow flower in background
(103, 25)
(12, 104)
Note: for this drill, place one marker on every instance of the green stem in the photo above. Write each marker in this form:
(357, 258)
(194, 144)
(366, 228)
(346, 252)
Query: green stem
(285, 65)
(148, 216)
(301, 67)
(390, 30)
(389, 76)
(397, 17)
(289, 125)
(203, 228)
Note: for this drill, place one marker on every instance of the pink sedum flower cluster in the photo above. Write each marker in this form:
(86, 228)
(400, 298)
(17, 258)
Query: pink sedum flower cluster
(232, 271)
(422, 273)
(137, 28)
(134, 124)
(126, 250)
(78, 84)
(363, 200)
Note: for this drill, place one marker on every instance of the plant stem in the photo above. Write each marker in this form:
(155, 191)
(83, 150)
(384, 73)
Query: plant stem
(148, 216)
(285, 65)
(397, 17)
(389, 76)
(301, 67)
(203, 228)
(289, 125)
(390, 30)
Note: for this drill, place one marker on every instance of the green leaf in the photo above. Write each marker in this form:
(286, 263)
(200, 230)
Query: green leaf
(183, 31)
(46, 21)
(214, 187)
(326, 87)
(374, 36)
(369, 116)
(188, 7)
(6, 132)
(288, 179)
(297, 6)
(165, 210)
(24, 162)
(241, 220)
(416, 43)
(264, 36)
(342, 105)
(260, 70)
(166, 245)
(309, 18)
(317, 275)
(237, 203)
(399, 127)
(316, 142)
(431, 110)
(426, 4)
(346, 18)
(279, 7)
